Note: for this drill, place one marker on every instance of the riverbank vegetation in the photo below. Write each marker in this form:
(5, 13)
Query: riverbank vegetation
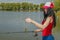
(19, 6)
(57, 28)
(26, 6)
(57, 5)
(57, 8)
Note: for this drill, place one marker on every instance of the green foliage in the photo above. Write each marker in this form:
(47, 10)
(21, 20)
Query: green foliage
(26, 6)
(41, 5)
(57, 5)
(18, 6)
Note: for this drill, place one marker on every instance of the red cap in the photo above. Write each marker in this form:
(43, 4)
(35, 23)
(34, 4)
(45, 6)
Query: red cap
(48, 4)
(52, 5)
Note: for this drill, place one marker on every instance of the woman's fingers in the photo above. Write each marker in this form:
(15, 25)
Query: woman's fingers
(37, 30)
(28, 20)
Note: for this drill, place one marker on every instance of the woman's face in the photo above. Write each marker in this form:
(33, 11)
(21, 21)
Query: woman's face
(45, 10)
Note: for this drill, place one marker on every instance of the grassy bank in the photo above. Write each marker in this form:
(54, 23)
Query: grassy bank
(57, 28)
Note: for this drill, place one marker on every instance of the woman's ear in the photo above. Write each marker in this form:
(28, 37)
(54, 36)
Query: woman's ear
(45, 10)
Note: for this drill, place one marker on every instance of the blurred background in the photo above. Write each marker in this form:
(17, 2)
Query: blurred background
(13, 14)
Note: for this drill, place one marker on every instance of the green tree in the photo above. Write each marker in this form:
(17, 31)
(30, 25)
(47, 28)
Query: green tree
(36, 7)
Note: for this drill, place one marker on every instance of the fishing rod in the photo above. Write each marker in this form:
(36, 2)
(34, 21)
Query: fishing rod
(17, 32)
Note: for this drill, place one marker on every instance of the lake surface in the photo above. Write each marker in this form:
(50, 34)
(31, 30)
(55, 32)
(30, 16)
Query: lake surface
(15, 22)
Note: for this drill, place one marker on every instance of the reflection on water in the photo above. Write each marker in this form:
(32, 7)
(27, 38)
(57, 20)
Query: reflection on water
(19, 36)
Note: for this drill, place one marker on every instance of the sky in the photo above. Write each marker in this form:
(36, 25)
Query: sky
(30, 1)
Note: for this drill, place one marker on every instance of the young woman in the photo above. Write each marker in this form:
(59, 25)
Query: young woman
(48, 23)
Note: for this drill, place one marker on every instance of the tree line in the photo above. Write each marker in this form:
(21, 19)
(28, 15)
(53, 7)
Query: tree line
(26, 6)
(19, 6)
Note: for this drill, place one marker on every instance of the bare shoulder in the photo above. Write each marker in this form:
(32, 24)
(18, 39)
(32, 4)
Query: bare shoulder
(50, 18)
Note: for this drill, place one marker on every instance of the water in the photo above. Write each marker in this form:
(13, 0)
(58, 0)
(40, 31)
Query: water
(15, 22)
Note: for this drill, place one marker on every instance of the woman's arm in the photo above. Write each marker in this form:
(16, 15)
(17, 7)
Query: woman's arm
(40, 26)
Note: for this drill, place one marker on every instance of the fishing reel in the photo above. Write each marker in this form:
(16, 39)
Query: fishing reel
(35, 34)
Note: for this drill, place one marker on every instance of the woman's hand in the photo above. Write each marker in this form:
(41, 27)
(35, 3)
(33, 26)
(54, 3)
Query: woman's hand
(37, 30)
(28, 20)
